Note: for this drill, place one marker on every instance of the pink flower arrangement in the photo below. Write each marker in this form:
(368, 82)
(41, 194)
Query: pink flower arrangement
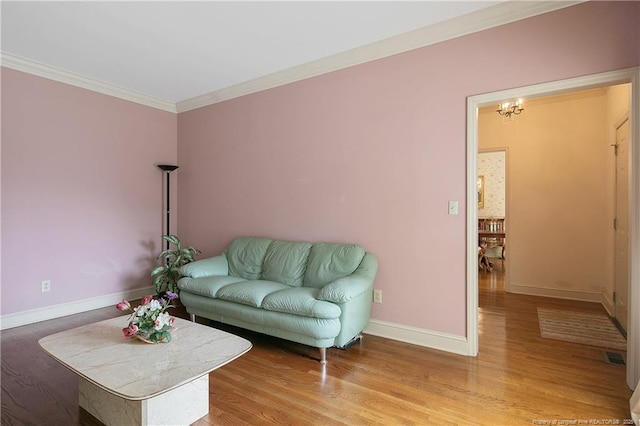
(149, 321)
(130, 331)
(123, 306)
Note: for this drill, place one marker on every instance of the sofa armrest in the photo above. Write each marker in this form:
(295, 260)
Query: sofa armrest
(348, 288)
(344, 289)
(212, 266)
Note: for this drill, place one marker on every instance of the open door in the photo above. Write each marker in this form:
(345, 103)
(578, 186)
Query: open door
(621, 225)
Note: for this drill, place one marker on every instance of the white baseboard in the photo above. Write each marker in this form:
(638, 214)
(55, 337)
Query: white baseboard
(62, 310)
(459, 344)
(418, 336)
(585, 296)
(607, 302)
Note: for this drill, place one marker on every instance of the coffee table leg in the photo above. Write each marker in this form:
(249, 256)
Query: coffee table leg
(182, 405)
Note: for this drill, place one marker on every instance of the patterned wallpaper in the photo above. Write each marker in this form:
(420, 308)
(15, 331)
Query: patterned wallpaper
(492, 165)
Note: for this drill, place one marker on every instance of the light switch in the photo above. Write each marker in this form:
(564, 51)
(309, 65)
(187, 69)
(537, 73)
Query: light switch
(453, 207)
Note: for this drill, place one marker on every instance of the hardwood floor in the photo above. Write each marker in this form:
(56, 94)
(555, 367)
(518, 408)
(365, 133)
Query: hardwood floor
(517, 378)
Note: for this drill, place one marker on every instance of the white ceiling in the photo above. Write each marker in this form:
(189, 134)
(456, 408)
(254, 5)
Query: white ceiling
(175, 51)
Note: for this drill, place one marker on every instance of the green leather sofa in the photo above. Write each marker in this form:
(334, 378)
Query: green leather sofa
(317, 294)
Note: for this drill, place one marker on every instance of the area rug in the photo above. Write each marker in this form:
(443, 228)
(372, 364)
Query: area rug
(577, 327)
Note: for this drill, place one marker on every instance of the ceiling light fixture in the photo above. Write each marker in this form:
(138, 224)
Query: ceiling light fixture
(506, 109)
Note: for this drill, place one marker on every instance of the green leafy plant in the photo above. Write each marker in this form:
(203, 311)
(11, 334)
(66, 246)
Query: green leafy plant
(165, 277)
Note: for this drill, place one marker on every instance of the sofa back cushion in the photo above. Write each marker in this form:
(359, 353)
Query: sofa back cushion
(285, 262)
(245, 256)
(330, 261)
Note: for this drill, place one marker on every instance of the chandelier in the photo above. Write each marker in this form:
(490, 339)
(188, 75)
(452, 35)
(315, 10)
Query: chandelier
(506, 109)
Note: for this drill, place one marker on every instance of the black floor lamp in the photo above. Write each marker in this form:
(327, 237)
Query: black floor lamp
(167, 168)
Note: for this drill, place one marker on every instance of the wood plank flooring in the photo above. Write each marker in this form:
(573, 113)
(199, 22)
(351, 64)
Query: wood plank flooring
(517, 378)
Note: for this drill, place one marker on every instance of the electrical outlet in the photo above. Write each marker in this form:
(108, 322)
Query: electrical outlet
(46, 285)
(377, 296)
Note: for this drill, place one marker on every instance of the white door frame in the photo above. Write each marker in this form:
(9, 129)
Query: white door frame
(616, 285)
(629, 75)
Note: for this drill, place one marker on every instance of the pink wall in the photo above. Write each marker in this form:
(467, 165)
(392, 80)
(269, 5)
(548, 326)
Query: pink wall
(81, 195)
(371, 154)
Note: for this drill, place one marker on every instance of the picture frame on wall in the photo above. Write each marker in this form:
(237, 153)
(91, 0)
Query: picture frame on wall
(480, 192)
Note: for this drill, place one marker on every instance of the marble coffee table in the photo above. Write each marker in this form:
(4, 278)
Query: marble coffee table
(128, 382)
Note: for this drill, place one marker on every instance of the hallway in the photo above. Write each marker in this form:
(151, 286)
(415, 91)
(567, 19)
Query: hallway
(559, 373)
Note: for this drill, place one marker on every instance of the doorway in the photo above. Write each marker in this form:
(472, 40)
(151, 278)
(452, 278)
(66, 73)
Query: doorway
(492, 202)
(474, 103)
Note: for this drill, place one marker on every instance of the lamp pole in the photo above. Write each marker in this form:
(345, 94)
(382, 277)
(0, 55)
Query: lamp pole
(167, 168)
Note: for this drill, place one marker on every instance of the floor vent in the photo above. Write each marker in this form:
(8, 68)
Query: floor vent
(614, 358)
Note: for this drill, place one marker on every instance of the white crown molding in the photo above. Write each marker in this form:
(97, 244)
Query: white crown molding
(40, 69)
(503, 13)
(62, 310)
(500, 14)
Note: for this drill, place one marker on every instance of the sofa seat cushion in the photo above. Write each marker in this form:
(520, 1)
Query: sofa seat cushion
(250, 292)
(285, 262)
(207, 286)
(301, 301)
